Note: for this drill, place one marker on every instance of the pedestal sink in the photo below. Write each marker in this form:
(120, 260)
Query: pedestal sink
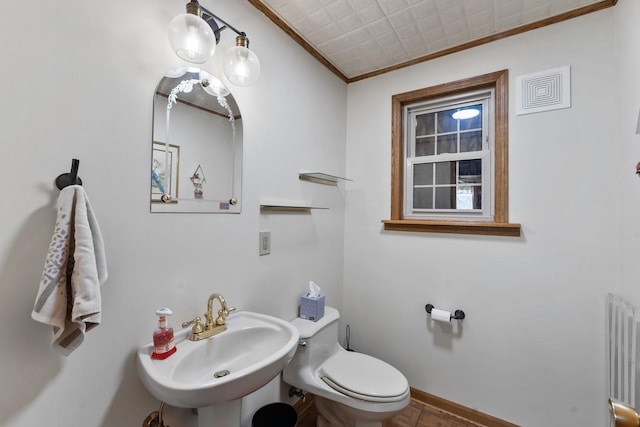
(214, 374)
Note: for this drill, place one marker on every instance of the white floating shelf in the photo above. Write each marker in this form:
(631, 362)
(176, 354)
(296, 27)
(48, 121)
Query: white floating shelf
(287, 207)
(321, 178)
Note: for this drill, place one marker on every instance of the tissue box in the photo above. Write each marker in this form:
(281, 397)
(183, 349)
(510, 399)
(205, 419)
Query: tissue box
(311, 308)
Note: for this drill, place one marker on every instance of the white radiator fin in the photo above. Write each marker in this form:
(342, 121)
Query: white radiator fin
(622, 329)
(543, 91)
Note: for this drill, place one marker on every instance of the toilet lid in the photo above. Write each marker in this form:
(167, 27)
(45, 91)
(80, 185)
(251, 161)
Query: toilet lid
(364, 377)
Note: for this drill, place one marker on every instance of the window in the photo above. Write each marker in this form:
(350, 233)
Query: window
(448, 163)
(449, 174)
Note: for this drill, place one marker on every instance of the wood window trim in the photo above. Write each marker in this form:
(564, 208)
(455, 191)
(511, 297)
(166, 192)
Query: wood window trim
(500, 226)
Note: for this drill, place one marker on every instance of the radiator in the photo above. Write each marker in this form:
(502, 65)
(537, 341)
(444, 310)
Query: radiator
(622, 321)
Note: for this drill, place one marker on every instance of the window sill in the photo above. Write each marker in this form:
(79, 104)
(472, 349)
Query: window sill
(456, 227)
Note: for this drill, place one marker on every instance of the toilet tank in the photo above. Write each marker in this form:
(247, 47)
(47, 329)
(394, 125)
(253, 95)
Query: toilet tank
(318, 340)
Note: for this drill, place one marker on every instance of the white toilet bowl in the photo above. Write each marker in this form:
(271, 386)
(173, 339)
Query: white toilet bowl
(351, 389)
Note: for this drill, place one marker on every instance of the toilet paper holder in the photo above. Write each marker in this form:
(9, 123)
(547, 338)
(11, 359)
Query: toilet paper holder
(458, 314)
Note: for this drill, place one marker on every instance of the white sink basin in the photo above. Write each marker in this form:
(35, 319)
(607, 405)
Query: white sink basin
(251, 352)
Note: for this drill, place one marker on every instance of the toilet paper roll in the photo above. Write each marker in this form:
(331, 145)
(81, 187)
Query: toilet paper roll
(441, 315)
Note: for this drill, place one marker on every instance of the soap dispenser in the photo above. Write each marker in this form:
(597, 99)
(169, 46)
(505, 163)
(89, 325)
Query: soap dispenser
(163, 345)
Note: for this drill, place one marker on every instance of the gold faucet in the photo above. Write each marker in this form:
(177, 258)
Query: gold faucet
(210, 327)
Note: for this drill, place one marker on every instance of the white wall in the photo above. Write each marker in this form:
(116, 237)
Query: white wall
(79, 79)
(531, 350)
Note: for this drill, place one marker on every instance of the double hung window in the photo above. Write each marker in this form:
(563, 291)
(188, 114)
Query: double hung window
(448, 171)
(449, 158)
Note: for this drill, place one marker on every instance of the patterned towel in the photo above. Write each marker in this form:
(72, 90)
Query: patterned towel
(75, 267)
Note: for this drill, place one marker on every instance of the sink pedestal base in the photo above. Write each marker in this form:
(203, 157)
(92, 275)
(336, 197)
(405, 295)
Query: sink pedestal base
(226, 414)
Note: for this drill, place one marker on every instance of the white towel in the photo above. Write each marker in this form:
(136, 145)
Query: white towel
(69, 294)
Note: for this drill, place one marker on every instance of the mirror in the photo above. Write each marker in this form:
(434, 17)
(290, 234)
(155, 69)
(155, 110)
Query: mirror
(196, 163)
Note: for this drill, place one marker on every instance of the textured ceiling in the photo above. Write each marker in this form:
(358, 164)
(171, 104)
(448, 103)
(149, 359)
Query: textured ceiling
(360, 38)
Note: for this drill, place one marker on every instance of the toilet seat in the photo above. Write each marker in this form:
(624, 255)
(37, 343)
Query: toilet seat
(364, 377)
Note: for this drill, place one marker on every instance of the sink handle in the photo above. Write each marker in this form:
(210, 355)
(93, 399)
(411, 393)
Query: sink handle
(222, 315)
(197, 325)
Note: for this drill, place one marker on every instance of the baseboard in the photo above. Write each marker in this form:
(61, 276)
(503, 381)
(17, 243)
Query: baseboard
(458, 410)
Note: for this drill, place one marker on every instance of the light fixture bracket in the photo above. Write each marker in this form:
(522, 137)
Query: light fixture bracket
(195, 8)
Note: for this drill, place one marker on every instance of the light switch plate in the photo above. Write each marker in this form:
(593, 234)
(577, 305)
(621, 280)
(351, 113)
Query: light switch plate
(265, 243)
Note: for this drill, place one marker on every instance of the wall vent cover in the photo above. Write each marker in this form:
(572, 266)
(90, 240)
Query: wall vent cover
(543, 91)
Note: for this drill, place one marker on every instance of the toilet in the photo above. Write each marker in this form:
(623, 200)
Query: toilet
(351, 389)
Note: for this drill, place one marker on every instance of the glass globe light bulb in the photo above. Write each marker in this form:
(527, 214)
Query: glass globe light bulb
(191, 38)
(241, 65)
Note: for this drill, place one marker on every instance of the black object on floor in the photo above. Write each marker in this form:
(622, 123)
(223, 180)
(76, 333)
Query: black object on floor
(275, 415)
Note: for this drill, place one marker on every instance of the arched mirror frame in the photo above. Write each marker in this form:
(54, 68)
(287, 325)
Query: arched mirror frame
(196, 162)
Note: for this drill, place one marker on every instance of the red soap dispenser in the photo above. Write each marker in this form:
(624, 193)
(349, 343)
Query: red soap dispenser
(163, 345)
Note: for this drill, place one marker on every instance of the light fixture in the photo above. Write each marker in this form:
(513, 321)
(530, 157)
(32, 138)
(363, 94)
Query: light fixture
(466, 113)
(241, 65)
(193, 36)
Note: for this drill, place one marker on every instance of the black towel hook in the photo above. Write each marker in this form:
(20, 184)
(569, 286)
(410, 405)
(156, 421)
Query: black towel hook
(70, 178)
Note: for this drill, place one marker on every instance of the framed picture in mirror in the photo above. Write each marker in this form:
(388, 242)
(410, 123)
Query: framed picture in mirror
(165, 165)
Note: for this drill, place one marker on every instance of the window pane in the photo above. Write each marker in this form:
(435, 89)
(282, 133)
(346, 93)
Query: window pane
(477, 197)
(470, 171)
(446, 123)
(445, 198)
(474, 122)
(469, 197)
(445, 173)
(471, 141)
(425, 146)
(423, 198)
(464, 198)
(447, 143)
(423, 174)
(425, 124)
